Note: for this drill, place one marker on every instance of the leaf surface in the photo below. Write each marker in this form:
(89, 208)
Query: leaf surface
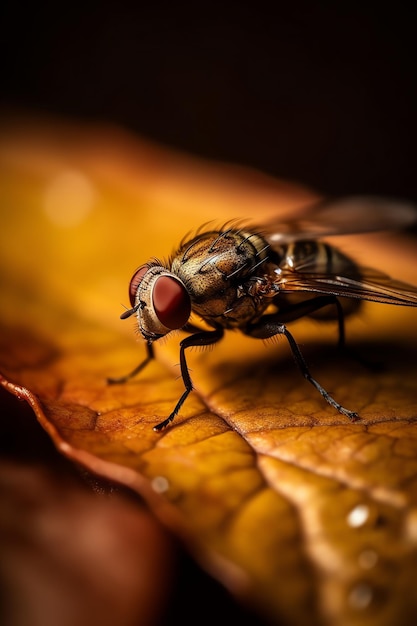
(300, 513)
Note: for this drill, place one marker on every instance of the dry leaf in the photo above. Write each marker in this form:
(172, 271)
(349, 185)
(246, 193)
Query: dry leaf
(300, 513)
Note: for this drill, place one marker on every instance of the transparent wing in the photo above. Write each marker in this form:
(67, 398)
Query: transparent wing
(359, 282)
(349, 215)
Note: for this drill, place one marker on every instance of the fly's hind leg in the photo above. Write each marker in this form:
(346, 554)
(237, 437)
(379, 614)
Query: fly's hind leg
(302, 309)
(308, 307)
(271, 325)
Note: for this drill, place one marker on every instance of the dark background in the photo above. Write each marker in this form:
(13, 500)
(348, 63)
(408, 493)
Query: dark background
(313, 92)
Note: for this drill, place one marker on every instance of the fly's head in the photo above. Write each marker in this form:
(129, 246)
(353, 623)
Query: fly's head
(159, 299)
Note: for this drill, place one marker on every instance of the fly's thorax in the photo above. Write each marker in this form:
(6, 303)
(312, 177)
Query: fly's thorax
(214, 266)
(212, 262)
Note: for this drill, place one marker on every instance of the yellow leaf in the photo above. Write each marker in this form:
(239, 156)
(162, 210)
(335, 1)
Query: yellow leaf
(303, 515)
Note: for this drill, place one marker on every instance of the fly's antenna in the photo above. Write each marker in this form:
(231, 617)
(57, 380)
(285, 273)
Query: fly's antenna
(129, 312)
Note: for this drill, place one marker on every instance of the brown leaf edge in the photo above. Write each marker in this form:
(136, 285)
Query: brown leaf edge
(229, 574)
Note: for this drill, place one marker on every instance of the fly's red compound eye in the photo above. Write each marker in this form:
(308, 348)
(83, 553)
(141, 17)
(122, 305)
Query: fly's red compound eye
(171, 302)
(135, 282)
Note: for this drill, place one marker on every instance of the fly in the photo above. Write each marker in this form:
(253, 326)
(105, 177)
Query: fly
(257, 280)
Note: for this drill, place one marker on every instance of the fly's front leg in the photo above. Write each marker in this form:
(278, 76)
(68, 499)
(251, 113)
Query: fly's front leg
(203, 338)
(123, 379)
(269, 326)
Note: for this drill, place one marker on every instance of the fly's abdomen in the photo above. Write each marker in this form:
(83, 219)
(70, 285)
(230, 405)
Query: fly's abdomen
(315, 259)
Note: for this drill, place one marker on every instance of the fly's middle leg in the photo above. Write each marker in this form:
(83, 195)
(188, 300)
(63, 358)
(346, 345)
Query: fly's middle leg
(271, 325)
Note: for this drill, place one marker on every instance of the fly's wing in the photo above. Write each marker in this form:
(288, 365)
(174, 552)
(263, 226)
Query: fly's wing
(349, 215)
(358, 282)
